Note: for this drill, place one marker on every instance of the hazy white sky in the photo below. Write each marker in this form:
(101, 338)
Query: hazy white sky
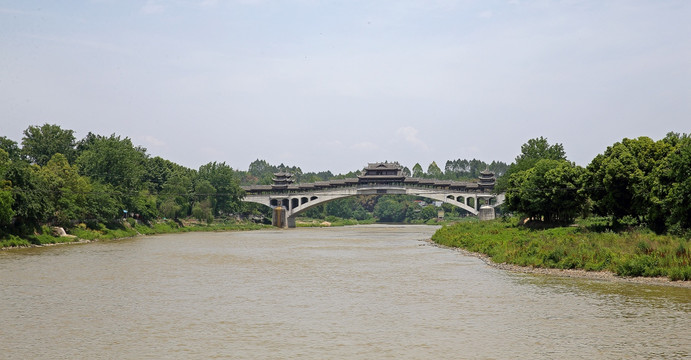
(333, 85)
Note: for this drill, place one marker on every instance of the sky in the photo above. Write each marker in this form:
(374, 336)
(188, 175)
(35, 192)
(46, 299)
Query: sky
(334, 85)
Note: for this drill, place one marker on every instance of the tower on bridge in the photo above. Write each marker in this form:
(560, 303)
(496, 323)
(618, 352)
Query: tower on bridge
(288, 199)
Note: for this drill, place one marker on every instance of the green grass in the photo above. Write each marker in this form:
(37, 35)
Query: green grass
(632, 253)
(332, 220)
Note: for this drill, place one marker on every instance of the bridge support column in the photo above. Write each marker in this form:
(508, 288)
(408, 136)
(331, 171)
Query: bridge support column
(290, 221)
(486, 212)
(278, 217)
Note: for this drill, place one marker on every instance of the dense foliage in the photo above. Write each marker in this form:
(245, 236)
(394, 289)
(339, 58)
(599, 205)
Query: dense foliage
(635, 253)
(635, 181)
(54, 180)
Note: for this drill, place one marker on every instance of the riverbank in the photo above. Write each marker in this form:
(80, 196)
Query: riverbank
(573, 251)
(571, 273)
(82, 234)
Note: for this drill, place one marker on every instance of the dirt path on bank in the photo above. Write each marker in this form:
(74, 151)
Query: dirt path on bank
(574, 273)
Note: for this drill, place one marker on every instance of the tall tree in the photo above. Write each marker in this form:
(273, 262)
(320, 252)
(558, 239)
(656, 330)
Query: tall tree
(176, 196)
(549, 191)
(6, 199)
(65, 190)
(417, 171)
(228, 191)
(531, 152)
(434, 171)
(115, 161)
(670, 185)
(30, 205)
(619, 180)
(41, 143)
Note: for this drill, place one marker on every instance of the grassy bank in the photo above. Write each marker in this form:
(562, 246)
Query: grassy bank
(631, 253)
(131, 228)
(330, 221)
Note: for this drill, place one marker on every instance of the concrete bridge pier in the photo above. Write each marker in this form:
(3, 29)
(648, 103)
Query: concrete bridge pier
(281, 219)
(278, 217)
(486, 210)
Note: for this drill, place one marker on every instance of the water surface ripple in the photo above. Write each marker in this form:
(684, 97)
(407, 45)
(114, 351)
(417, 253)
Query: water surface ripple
(363, 292)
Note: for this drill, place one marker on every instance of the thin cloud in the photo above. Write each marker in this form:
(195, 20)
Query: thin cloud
(365, 146)
(409, 134)
(150, 140)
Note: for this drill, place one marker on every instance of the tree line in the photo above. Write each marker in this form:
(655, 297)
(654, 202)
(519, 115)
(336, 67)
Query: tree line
(53, 178)
(638, 182)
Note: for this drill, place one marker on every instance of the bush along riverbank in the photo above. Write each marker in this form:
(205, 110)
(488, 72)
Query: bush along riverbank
(81, 233)
(637, 252)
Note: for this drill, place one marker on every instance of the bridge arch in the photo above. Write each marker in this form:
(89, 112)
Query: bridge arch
(375, 179)
(296, 204)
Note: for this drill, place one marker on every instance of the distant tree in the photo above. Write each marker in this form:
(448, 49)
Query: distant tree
(429, 212)
(389, 210)
(434, 171)
(498, 167)
(41, 143)
(417, 171)
(342, 208)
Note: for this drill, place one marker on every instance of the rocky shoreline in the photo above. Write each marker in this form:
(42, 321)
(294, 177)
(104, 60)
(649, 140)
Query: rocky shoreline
(573, 273)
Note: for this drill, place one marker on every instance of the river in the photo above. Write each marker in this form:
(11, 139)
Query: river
(360, 292)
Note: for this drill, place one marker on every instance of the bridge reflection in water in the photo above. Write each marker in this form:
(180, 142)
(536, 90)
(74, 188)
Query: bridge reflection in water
(289, 199)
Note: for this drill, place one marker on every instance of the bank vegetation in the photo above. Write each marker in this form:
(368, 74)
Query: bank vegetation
(634, 252)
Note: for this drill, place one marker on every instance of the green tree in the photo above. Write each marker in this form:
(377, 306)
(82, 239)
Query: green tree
(115, 161)
(620, 180)
(176, 196)
(41, 143)
(417, 171)
(10, 146)
(434, 171)
(262, 171)
(390, 210)
(157, 171)
(6, 199)
(548, 191)
(228, 192)
(531, 152)
(670, 206)
(102, 204)
(30, 204)
(65, 190)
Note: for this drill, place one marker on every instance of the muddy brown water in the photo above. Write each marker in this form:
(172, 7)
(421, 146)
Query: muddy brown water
(362, 292)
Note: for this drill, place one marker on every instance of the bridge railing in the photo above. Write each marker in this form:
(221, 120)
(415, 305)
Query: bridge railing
(302, 190)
